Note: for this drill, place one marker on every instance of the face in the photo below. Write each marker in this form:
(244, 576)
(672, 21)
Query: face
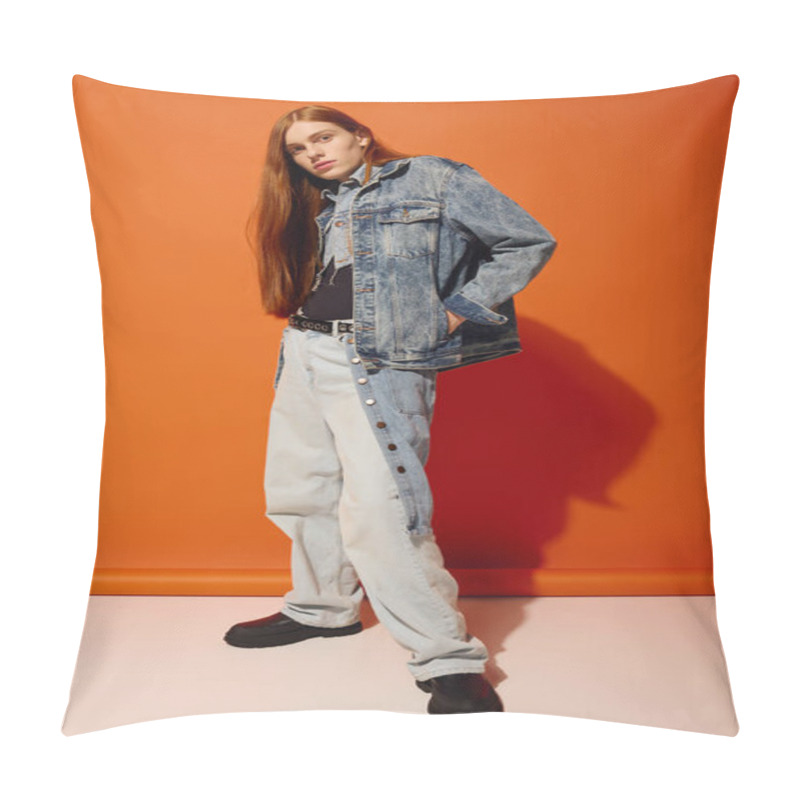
(325, 149)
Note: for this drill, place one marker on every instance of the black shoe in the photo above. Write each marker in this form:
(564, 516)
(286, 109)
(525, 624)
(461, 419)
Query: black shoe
(460, 693)
(279, 629)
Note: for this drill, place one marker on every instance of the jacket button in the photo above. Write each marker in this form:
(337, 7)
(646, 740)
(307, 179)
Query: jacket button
(355, 360)
(338, 223)
(392, 447)
(370, 402)
(380, 424)
(350, 341)
(401, 469)
(362, 381)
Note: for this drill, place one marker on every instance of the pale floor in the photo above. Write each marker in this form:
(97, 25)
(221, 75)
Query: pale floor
(642, 660)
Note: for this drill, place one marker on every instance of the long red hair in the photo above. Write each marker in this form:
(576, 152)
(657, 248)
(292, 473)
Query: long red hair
(288, 201)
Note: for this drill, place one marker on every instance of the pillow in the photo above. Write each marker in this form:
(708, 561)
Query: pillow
(569, 479)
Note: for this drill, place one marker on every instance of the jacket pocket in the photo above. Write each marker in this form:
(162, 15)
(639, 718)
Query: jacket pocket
(410, 231)
(443, 323)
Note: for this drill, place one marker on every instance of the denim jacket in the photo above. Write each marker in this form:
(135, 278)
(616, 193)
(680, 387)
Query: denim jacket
(430, 234)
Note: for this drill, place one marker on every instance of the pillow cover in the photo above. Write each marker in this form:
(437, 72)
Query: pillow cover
(578, 528)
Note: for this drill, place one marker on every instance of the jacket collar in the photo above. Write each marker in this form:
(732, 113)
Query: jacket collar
(377, 173)
(390, 167)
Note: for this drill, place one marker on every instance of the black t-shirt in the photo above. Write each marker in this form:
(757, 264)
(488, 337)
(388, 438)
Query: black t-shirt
(333, 297)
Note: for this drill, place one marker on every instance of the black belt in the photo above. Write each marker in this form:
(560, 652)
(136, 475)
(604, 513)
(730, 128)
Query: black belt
(332, 327)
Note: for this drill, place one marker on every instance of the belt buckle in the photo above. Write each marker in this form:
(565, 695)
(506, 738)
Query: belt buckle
(343, 327)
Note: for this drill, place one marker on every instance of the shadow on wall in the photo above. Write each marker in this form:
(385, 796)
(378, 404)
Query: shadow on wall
(526, 434)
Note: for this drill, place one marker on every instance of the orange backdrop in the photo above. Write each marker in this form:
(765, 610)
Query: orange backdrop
(574, 468)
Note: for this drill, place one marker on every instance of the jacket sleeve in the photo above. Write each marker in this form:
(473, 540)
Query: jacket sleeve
(519, 246)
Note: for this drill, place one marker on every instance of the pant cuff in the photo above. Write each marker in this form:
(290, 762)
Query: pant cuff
(424, 675)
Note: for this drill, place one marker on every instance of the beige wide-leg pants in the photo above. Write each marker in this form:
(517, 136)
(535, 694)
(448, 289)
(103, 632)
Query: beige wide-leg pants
(345, 481)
